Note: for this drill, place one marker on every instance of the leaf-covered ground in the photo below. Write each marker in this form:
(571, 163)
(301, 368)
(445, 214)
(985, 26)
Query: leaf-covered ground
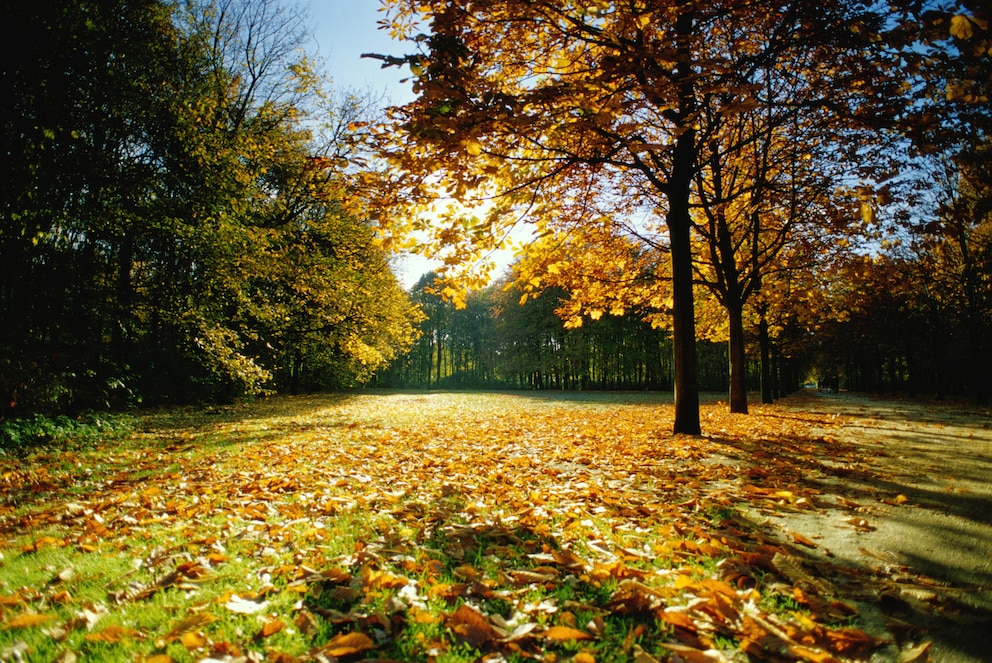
(443, 527)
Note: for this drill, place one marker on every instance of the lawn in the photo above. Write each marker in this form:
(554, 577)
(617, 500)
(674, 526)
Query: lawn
(424, 527)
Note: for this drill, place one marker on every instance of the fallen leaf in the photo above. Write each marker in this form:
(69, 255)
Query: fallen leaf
(556, 633)
(347, 644)
(27, 620)
(271, 628)
(915, 654)
(193, 640)
(471, 626)
(802, 540)
(113, 633)
(244, 606)
(191, 623)
(694, 655)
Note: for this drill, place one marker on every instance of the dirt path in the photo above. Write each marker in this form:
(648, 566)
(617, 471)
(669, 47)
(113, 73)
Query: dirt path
(914, 516)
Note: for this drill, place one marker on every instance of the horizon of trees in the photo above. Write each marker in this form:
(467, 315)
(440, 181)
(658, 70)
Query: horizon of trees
(498, 342)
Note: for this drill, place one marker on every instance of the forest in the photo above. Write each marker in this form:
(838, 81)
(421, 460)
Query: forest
(699, 196)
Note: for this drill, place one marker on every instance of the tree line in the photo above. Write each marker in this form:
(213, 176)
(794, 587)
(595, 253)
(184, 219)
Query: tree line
(495, 341)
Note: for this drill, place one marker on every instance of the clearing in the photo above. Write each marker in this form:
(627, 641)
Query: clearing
(456, 527)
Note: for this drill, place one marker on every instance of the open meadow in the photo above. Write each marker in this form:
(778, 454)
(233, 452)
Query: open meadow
(448, 527)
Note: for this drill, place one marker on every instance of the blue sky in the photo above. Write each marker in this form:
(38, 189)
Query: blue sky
(343, 30)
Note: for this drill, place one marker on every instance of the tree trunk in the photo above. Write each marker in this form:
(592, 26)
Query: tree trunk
(738, 359)
(679, 225)
(683, 313)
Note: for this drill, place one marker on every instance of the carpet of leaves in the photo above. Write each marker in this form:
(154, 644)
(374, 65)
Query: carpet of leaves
(406, 526)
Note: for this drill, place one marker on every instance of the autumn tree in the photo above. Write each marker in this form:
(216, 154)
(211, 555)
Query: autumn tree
(569, 113)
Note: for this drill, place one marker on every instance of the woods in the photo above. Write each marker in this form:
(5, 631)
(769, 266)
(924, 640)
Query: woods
(651, 149)
(695, 202)
(180, 217)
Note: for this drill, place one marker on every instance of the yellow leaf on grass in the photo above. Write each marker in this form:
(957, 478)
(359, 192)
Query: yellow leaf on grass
(901, 499)
(27, 620)
(158, 658)
(565, 633)
(191, 623)
(113, 634)
(193, 640)
(347, 644)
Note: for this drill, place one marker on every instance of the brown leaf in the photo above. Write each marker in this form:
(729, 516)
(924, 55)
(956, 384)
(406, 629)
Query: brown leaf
(694, 655)
(802, 540)
(271, 628)
(471, 626)
(347, 644)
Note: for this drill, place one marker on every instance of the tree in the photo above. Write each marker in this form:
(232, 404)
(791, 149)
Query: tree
(570, 113)
(176, 222)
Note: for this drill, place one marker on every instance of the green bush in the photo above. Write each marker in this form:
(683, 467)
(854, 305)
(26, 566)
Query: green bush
(63, 430)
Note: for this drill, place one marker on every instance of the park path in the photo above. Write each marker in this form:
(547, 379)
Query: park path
(914, 513)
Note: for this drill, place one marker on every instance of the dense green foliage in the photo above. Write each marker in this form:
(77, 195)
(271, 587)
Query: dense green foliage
(177, 216)
(499, 341)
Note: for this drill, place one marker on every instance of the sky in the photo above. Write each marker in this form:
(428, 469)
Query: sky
(342, 31)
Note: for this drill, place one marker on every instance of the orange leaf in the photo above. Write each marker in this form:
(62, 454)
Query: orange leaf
(27, 620)
(565, 633)
(347, 644)
(271, 628)
(802, 540)
(113, 634)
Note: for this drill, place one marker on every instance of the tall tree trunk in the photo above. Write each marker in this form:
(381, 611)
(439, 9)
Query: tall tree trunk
(679, 225)
(683, 313)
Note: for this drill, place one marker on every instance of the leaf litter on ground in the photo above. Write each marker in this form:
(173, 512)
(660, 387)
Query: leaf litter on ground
(431, 527)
